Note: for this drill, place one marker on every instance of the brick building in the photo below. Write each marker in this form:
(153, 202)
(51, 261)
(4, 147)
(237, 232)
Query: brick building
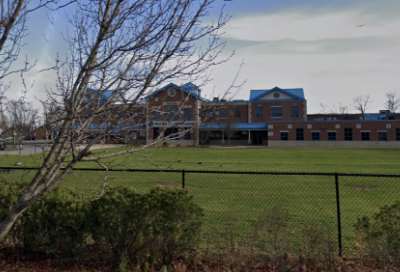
(274, 117)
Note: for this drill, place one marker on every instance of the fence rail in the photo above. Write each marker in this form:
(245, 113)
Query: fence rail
(333, 199)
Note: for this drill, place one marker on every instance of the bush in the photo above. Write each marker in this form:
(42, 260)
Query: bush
(176, 222)
(123, 225)
(120, 225)
(382, 233)
(57, 222)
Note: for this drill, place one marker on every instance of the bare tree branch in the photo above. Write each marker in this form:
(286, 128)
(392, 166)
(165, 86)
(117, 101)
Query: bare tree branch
(392, 104)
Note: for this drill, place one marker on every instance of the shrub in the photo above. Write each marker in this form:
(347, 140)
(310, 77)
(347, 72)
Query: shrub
(165, 222)
(382, 233)
(176, 222)
(119, 223)
(57, 222)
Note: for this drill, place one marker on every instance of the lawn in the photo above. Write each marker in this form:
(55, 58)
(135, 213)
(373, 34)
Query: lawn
(346, 160)
(242, 199)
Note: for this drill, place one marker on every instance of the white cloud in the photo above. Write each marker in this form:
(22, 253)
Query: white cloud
(326, 54)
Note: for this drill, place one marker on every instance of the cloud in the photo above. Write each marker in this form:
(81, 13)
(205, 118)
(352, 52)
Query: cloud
(320, 46)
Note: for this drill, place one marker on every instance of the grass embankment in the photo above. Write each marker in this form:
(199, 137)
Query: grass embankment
(240, 199)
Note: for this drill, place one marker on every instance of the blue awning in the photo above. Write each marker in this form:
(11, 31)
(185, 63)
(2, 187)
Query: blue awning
(234, 126)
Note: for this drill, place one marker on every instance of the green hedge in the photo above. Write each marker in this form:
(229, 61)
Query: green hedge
(121, 225)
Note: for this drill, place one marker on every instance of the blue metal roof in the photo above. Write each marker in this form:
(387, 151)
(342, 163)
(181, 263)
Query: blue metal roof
(105, 126)
(297, 93)
(104, 96)
(188, 88)
(235, 126)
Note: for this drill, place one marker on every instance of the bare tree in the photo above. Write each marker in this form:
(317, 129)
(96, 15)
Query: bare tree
(361, 104)
(338, 108)
(392, 103)
(21, 117)
(129, 47)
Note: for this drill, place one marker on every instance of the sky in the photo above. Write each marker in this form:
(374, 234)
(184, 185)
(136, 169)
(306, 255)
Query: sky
(310, 44)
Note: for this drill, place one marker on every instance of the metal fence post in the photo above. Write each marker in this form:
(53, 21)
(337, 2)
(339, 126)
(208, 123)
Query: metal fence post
(338, 214)
(183, 178)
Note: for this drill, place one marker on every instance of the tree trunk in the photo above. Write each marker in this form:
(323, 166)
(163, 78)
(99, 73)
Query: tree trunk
(11, 218)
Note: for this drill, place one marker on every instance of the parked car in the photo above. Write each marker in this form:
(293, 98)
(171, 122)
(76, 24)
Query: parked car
(9, 139)
(29, 137)
(2, 144)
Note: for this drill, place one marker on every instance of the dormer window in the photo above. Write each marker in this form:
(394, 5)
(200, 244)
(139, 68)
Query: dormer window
(276, 95)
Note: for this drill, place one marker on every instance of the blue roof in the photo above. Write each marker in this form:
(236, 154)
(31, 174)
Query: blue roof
(105, 126)
(297, 93)
(235, 126)
(188, 88)
(104, 96)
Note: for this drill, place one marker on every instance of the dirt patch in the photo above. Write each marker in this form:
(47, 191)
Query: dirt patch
(174, 186)
(362, 188)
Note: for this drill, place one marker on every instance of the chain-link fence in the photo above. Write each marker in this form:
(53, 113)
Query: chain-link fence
(239, 200)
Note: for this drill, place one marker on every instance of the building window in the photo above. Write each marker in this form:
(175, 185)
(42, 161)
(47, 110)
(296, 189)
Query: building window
(299, 134)
(88, 113)
(397, 134)
(156, 133)
(284, 136)
(348, 134)
(171, 131)
(331, 136)
(188, 135)
(188, 114)
(382, 136)
(295, 111)
(210, 113)
(171, 113)
(259, 112)
(224, 114)
(276, 111)
(143, 114)
(238, 112)
(365, 136)
(156, 115)
(315, 136)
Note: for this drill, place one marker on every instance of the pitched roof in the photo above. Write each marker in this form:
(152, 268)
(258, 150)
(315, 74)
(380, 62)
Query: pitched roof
(297, 93)
(104, 96)
(188, 88)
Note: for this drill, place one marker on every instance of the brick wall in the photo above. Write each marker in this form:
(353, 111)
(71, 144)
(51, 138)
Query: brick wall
(324, 127)
(286, 111)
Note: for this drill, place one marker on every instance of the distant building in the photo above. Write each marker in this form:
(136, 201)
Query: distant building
(273, 117)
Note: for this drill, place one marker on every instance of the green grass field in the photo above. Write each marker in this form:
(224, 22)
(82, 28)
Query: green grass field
(377, 161)
(242, 199)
